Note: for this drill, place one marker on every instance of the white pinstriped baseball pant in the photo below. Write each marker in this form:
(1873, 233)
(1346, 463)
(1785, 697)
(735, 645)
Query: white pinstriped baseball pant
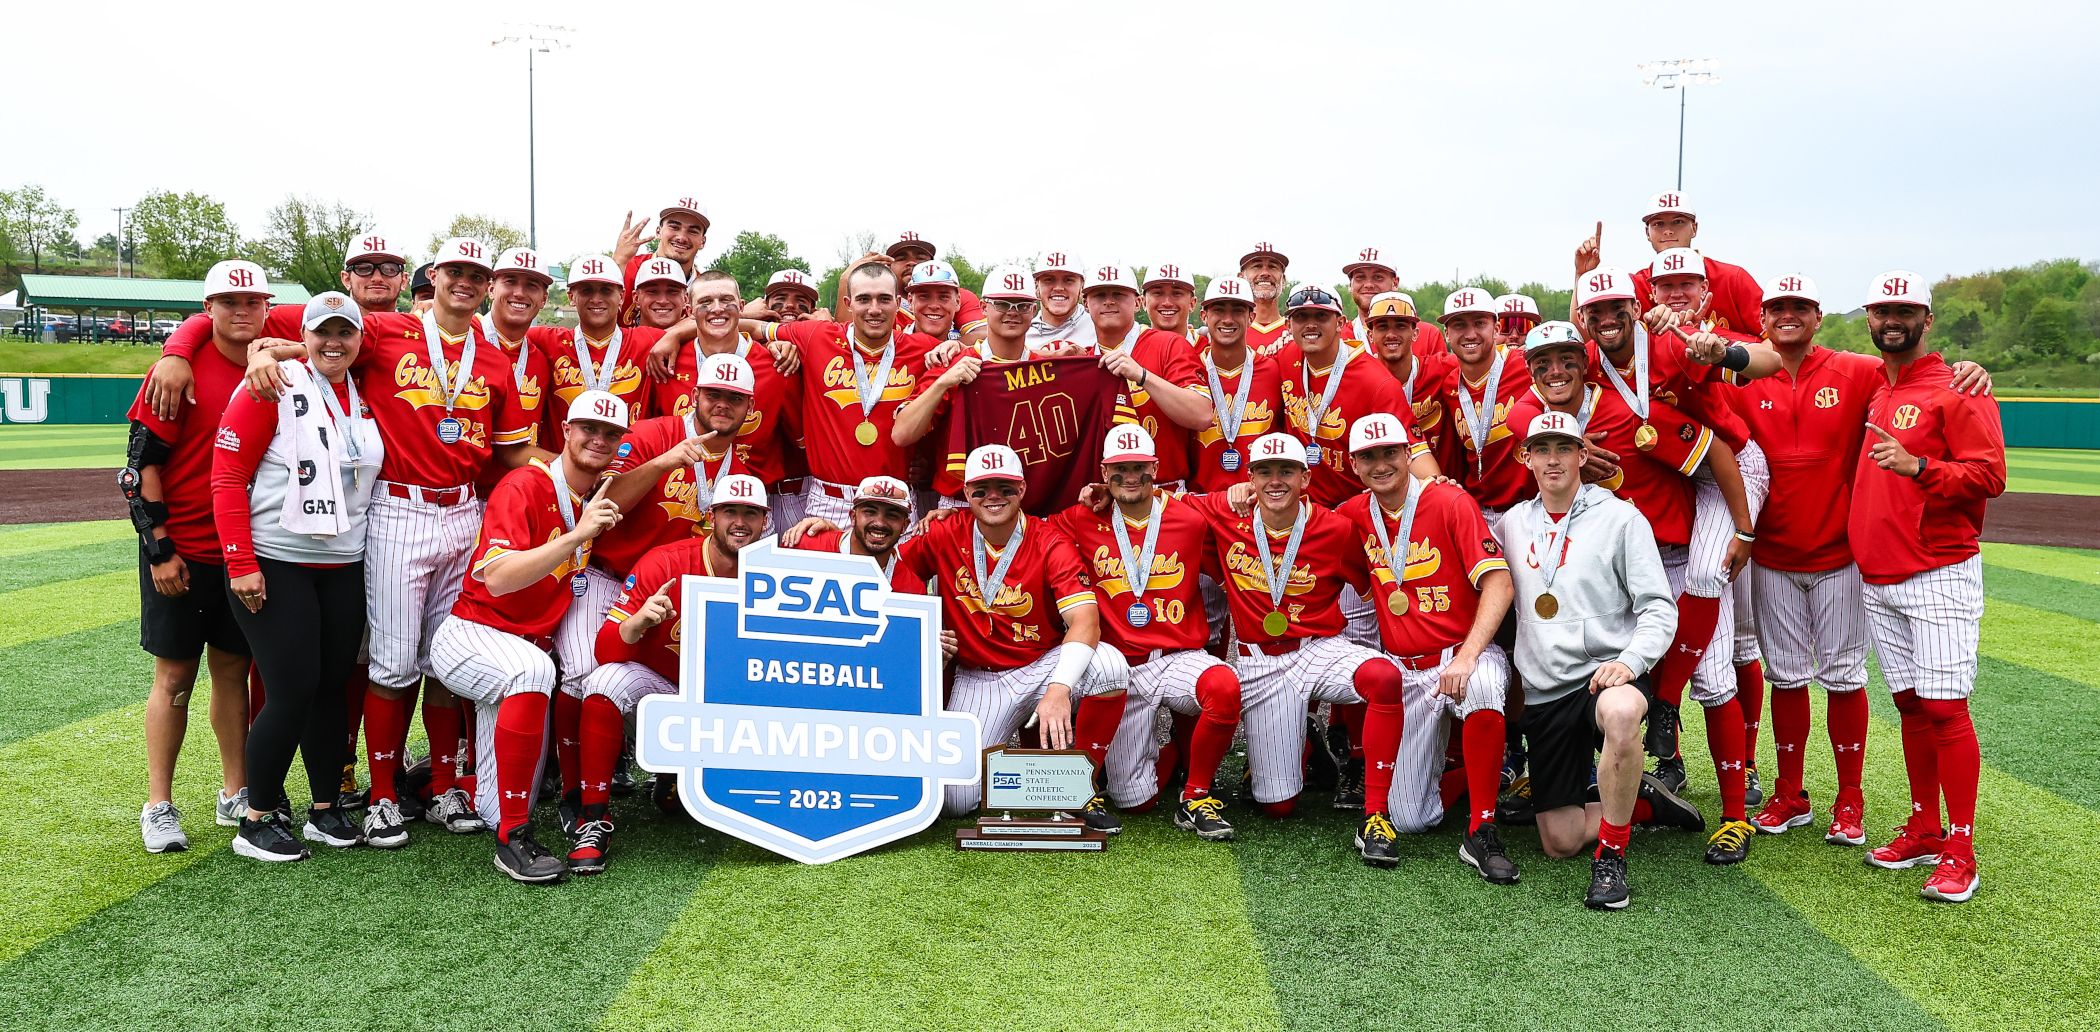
(1813, 627)
(417, 555)
(1166, 681)
(1926, 630)
(576, 637)
(485, 666)
(1274, 691)
(1417, 801)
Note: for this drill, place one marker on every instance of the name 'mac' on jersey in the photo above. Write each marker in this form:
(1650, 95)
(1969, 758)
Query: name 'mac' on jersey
(1054, 413)
(1264, 410)
(1173, 600)
(1449, 550)
(1488, 465)
(523, 513)
(1812, 424)
(1366, 387)
(764, 436)
(830, 405)
(1328, 557)
(658, 649)
(1045, 581)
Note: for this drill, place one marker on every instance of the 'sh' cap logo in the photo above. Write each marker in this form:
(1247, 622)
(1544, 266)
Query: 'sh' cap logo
(1674, 262)
(1368, 254)
(1790, 283)
(332, 301)
(1015, 282)
(240, 278)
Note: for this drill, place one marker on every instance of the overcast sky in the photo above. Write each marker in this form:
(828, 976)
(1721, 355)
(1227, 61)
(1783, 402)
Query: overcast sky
(1945, 138)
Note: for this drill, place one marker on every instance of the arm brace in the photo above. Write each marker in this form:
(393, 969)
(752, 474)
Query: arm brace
(144, 450)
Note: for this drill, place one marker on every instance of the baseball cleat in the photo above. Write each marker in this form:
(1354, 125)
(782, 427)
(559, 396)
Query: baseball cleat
(1730, 843)
(570, 810)
(348, 796)
(331, 827)
(1609, 889)
(1483, 850)
(1204, 815)
(1753, 792)
(160, 827)
(1671, 773)
(1349, 786)
(1908, 849)
(525, 860)
(1783, 815)
(233, 808)
(1099, 817)
(587, 846)
(1515, 805)
(414, 782)
(623, 771)
(1377, 841)
(269, 840)
(1953, 881)
(1660, 738)
(385, 828)
(452, 811)
(1847, 827)
(1670, 810)
(663, 791)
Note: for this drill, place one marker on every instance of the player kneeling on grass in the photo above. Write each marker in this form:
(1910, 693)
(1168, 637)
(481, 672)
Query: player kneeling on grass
(1588, 578)
(1440, 590)
(1284, 567)
(637, 648)
(528, 567)
(1005, 580)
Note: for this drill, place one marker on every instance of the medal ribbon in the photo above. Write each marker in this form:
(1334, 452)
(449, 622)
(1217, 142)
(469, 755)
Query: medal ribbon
(1637, 400)
(1315, 415)
(989, 584)
(871, 392)
(704, 485)
(1138, 569)
(1230, 414)
(565, 502)
(434, 343)
(600, 378)
(1407, 527)
(340, 417)
(1479, 420)
(1290, 554)
(1544, 535)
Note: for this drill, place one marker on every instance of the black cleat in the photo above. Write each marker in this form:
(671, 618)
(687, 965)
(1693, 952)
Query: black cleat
(623, 771)
(1321, 756)
(1608, 888)
(1670, 809)
(1483, 849)
(1730, 844)
(587, 847)
(1377, 841)
(1671, 773)
(414, 784)
(570, 810)
(1753, 793)
(1515, 805)
(1099, 817)
(1349, 787)
(663, 791)
(525, 860)
(1204, 815)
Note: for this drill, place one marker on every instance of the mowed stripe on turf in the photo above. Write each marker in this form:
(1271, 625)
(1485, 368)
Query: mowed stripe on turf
(1151, 935)
(62, 607)
(25, 538)
(52, 682)
(2075, 564)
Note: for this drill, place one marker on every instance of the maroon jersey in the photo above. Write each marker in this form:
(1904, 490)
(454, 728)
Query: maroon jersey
(1054, 413)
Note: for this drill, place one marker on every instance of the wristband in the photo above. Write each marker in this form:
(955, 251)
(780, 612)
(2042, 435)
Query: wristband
(1142, 377)
(1736, 358)
(1748, 539)
(1920, 474)
(1072, 661)
(159, 551)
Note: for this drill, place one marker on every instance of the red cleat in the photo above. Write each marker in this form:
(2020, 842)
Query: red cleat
(1846, 827)
(1953, 881)
(1783, 815)
(1908, 849)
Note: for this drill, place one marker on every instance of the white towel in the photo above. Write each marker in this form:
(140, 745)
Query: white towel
(317, 454)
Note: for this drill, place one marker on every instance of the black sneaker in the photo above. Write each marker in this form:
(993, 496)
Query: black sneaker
(1323, 755)
(1349, 786)
(1670, 809)
(1377, 841)
(623, 772)
(587, 846)
(1671, 773)
(1753, 793)
(1515, 805)
(332, 827)
(1483, 849)
(524, 859)
(1730, 844)
(570, 810)
(269, 840)
(1204, 815)
(1099, 817)
(1608, 888)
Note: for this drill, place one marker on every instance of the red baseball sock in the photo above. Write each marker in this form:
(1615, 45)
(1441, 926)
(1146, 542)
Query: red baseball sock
(1218, 693)
(568, 740)
(1484, 737)
(1697, 616)
(1960, 763)
(1176, 750)
(354, 709)
(1642, 812)
(386, 731)
(441, 724)
(1351, 716)
(1613, 837)
(1378, 684)
(1750, 687)
(1281, 809)
(1846, 718)
(1790, 718)
(1724, 738)
(1921, 761)
(1094, 727)
(1451, 786)
(603, 731)
(521, 736)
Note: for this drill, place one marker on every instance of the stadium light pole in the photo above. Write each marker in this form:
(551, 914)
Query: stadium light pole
(536, 39)
(1680, 75)
(120, 240)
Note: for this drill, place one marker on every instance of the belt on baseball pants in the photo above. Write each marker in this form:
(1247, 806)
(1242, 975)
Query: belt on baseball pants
(789, 485)
(431, 495)
(1427, 660)
(827, 487)
(1273, 648)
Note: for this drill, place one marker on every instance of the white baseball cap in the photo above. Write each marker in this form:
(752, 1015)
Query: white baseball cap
(1669, 202)
(1465, 300)
(525, 260)
(889, 491)
(1608, 283)
(333, 304)
(1059, 261)
(1103, 277)
(727, 371)
(462, 251)
(1369, 258)
(599, 407)
(908, 240)
(1377, 430)
(1677, 261)
(234, 276)
(1167, 272)
(1276, 447)
(1899, 287)
(1517, 304)
(1264, 248)
(1312, 297)
(993, 462)
(739, 489)
(1229, 288)
(1009, 283)
(792, 279)
(658, 270)
(684, 206)
(372, 245)
(934, 273)
(1792, 284)
(1553, 334)
(1552, 424)
(594, 268)
(1128, 442)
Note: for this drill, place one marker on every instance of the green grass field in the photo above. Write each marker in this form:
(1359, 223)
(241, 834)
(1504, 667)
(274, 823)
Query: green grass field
(21, 356)
(1282, 929)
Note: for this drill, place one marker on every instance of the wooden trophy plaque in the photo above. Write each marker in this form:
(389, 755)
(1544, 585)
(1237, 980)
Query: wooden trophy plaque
(1032, 799)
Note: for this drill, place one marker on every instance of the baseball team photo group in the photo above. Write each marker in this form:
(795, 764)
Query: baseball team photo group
(633, 625)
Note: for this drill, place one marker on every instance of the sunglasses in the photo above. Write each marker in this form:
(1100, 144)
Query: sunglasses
(1003, 305)
(369, 268)
(1312, 297)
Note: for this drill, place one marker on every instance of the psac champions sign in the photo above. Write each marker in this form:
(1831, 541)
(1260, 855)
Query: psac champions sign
(808, 717)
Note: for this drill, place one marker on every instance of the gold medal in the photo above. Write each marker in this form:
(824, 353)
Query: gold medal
(1644, 437)
(865, 433)
(1396, 603)
(1275, 624)
(1546, 606)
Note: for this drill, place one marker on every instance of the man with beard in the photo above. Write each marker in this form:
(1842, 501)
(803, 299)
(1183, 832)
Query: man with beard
(1670, 222)
(637, 649)
(1933, 459)
(881, 515)
(1245, 388)
(1390, 328)
(657, 300)
(1168, 294)
(1370, 275)
(681, 231)
(1264, 269)
(1058, 282)
(1166, 383)
(1327, 383)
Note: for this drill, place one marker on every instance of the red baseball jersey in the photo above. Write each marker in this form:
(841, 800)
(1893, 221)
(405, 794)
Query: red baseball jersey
(1054, 414)
(1267, 340)
(1901, 526)
(1422, 389)
(764, 437)
(830, 401)
(1264, 409)
(627, 381)
(1173, 599)
(658, 649)
(1173, 359)
(1657, 481)
(1811, 424)
(1738, 303)
(1449, 550)
(530, 378)
(946, 472)
(672, 509)
(185, 478)
(1328, 556)
(1366, 388)
(1704, 392)
(407, 397)
(1045, 581)
(1492, 475)
(522, 514)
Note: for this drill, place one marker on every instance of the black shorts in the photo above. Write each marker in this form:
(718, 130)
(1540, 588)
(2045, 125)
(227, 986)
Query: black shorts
(179, 628)
(1563, 739)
